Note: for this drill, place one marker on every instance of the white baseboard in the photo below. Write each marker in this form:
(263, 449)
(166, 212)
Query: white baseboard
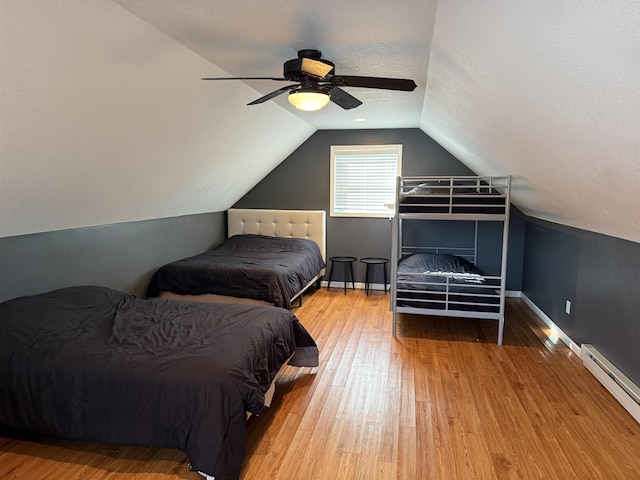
(556, 332)
(358, 285)
(379, 286)
(600, 367)
(619, 385)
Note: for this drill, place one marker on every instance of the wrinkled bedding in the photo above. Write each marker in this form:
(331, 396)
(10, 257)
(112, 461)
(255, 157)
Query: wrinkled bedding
(431, 271)
(443, 281)
(266, 268)
(96, 364)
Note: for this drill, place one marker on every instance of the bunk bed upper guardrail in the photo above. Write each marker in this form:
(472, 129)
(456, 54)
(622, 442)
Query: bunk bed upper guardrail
(461, 196)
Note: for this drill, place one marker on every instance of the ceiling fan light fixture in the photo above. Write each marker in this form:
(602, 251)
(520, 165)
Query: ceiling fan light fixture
(308, 100)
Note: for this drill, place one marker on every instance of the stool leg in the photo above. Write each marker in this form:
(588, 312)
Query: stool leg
(344, 274)
(330, 276)
(353, 281)
(367, 279)
(385, 277)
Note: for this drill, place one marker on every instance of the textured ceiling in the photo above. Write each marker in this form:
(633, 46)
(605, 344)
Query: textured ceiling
(254, 38)
(548, 92)
(104, 119)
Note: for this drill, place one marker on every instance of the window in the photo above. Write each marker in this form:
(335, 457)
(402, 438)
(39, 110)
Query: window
(363, 179)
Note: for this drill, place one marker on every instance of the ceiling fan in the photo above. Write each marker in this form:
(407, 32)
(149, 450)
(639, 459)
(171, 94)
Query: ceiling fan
(315, 83)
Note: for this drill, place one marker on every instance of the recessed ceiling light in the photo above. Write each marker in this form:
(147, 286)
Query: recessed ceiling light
(359, 119)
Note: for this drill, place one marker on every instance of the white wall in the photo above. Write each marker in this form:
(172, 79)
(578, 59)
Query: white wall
(104, 120)
(547, 91)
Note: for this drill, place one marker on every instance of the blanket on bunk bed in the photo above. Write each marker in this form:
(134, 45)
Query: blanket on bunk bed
(432, 271)
(443, 281)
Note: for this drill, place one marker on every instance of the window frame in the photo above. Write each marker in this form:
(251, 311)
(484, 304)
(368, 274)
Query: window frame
(366, 150)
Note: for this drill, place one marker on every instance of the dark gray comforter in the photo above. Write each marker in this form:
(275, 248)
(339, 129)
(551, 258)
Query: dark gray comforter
(96, 364)
(431, 271)
(444, 281)
(265, 268)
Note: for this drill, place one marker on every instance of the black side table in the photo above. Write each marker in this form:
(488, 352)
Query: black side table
(370, 262)
(346, 261)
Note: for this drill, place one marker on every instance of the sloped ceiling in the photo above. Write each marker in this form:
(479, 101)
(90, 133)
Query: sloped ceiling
(104, 118)
(548, 92)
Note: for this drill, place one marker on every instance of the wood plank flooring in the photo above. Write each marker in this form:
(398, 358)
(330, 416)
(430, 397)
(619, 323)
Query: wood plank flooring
(439, 401)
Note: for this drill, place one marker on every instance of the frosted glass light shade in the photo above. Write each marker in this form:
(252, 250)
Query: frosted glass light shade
(308, 100)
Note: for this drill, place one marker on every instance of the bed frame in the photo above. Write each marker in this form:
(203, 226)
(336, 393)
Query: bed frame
(467, 198)
(307, 224)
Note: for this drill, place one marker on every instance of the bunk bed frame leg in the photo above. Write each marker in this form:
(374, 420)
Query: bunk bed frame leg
(393, 332)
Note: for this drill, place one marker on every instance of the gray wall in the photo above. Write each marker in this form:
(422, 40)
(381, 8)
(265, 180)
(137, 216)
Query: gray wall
(302, 181)
(121, 256)
(599, 276)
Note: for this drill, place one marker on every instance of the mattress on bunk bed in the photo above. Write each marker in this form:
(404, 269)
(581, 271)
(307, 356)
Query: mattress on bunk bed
(440, 196)
(272, 269)
(444, 281)
(96, 364)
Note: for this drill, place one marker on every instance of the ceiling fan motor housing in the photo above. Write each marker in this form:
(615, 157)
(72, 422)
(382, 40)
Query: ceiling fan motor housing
(310, 53)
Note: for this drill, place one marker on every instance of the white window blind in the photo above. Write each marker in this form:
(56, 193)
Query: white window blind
(363, 179)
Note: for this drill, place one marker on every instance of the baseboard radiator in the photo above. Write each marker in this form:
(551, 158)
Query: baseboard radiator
(620, 386)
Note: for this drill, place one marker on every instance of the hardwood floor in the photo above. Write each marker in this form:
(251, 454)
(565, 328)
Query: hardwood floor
(439, 401)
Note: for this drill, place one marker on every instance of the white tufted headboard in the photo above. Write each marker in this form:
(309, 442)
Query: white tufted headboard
(309, 224)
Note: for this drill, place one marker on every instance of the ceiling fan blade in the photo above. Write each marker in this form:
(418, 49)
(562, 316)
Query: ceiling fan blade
(273, 94)
(247, 78)
(402, 84)
(343, 99)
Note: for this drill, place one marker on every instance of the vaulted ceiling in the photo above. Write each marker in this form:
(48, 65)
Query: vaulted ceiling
(104, 118)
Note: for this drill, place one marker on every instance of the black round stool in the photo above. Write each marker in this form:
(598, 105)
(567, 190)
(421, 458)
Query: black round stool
(345, 261)
(370, 262)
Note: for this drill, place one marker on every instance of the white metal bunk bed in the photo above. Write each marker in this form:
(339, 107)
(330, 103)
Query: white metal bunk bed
(441, 280)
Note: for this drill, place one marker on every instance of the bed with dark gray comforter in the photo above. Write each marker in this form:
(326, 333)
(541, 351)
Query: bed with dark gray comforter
(96, 364)
(260, 267)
